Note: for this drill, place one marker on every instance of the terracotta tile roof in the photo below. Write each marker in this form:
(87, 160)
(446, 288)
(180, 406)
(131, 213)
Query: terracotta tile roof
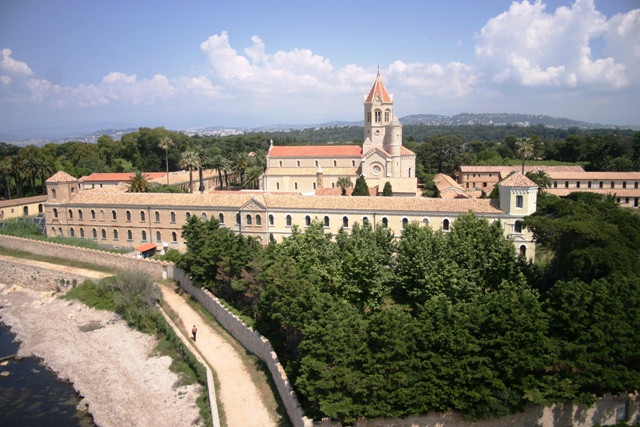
(315, 151)
(182, 177)
(214, 201)
(22, 201)
(447, 186)
(378, 90)
(404, 151)
(517, 180)
(61, 176)
(119, 176)
(146, 247)
(337, 191)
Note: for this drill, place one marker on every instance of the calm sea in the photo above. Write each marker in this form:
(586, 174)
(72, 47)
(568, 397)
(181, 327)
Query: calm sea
(34, 396)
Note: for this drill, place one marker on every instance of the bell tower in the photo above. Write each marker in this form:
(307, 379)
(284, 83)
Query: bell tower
(378, 114)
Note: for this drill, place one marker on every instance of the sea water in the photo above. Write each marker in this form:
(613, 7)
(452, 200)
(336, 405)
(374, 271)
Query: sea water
(32, 395)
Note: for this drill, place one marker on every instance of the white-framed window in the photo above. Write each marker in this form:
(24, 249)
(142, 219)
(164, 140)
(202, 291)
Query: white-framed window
(519, 201)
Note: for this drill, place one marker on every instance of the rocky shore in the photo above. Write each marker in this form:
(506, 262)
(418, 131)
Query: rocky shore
(110, 365)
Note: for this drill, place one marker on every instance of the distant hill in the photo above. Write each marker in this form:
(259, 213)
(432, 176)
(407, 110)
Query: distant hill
(463, 119)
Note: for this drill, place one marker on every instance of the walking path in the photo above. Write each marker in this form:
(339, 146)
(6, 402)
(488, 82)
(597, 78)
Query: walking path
(241, 400)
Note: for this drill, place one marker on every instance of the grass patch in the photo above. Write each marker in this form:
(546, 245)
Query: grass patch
(54, 260)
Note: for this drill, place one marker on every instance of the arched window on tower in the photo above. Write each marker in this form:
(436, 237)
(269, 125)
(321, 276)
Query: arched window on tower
(387, 116)
(378, 116)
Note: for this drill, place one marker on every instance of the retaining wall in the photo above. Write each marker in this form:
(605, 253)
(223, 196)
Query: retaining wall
(157, 269)
(38, 279)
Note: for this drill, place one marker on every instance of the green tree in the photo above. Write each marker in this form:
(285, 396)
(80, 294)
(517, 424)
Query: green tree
(138, 183)
(252, 177)
(166, 143)
(388, 190)
(344, 182)
(541, 178)
(220, 164)
(524, 149)
(361, 188)
(6, 170)
(240, 163)
(190, 161)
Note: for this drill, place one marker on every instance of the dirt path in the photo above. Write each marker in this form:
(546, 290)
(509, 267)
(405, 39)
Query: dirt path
(241, 400)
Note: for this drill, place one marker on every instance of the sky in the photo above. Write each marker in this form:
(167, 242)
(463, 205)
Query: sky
(71, 67)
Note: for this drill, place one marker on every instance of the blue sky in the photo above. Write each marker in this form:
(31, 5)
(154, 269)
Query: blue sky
(73, 66)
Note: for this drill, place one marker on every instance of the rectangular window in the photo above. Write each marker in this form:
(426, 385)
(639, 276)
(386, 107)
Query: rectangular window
(519, 201)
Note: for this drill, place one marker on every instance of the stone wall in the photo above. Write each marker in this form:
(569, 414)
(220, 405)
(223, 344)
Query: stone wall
(38, 279)
(252, 341)
(156, 269)
(607, 411)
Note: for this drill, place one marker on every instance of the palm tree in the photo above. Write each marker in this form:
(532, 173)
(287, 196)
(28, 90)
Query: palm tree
(241, 162)
(219, 163)
(252, 177)
(524, 148)
(203, 160)
(138, 183)
(541, 178)
(45, 170)
(6, 170)
(16, 171)
(191, 161)
(30, 172)
(344, 182)
(166, 143)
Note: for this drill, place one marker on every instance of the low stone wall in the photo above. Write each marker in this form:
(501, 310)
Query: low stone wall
(157, 269)
(252, 341)
(607, 411)
(38, 279)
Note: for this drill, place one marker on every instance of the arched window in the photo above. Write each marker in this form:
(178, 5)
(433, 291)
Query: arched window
(94, 233)
(523, 251)
(445, 224)
(142, 216)
(172, 217)
(158, 236)
(387, 115)
(295, 185)
(129, 235)
(93, 215)
(70, 214)
(517, 227)
(128, 215)
(157, 216)
(365, 220)
(144, 235)
(53, 193)
(405, 222)
(271, 220)
(385, 222)
(345, 222)
(101, 215)
(237, 219)
(327, 221)
(221, 218)
(114, 215)
(55, 213)
(72, 232)
(80, 214)
(115, 234)
(204, 216)
(60, 233)
(425, 221)
(289, 220)
(378, 115)
(248, 219)
(103, 233)
(174, 236)
(188, 215)
(307, 220)
(258, 220)
(82, 233)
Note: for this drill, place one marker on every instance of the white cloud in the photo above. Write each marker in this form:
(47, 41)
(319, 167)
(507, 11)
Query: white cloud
(9, 65)
(528, 46)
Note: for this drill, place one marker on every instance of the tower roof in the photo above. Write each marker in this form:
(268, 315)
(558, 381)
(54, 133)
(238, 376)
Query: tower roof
(378, 90)
(61, 176)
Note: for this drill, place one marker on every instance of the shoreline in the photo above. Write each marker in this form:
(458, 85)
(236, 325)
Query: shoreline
(110, 366)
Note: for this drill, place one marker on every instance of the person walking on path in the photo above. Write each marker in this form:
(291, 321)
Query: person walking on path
(194, 330)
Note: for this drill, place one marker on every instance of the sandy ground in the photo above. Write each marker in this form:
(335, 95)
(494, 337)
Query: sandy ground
(108, 363)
